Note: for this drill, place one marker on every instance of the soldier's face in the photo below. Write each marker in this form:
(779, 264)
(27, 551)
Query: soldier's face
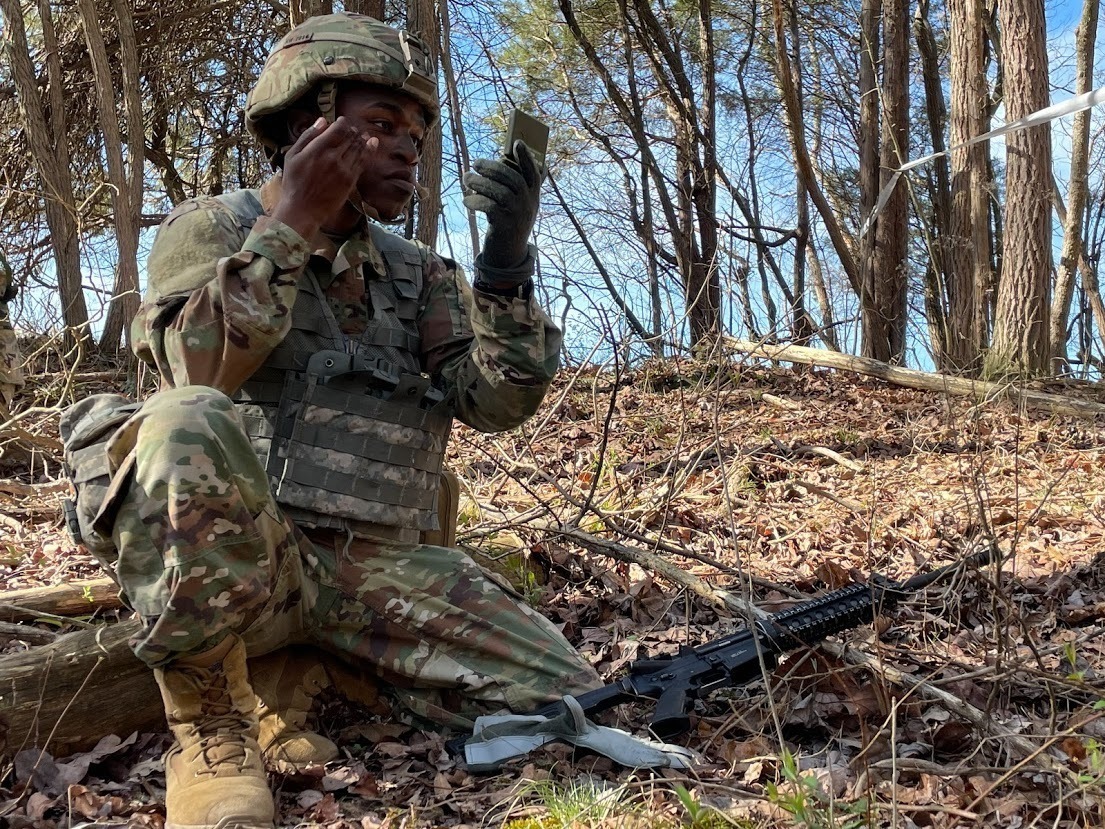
(399, 124)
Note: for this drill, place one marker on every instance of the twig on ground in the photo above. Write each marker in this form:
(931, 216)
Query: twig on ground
(937, 808)
(11, 523)
(664, 568)
(18, 489)
(780, 402)
(40, 441)
(19, 611)
(848, 504)
(659, 544)
(975, 716)
(928, 767)
(835, 457)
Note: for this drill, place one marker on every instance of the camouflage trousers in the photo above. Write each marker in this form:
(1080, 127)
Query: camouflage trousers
(203, 551)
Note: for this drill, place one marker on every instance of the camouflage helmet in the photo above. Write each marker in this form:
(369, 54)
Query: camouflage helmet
(7, 280)
(324, 50)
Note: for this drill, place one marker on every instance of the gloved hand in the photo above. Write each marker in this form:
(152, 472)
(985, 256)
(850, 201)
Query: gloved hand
(508, 190)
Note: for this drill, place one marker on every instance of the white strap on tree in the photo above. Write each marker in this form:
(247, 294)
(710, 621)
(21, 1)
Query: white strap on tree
(501, 737)
(1042, 116)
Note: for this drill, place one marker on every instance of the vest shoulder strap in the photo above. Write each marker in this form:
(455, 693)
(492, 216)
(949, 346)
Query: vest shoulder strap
(406, 260)
(245, 204)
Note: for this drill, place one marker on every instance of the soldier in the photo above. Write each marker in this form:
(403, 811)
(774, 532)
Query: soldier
(11, 362)
(311, 362)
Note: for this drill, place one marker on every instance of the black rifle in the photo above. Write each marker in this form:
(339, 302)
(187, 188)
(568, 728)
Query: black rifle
(675, 682)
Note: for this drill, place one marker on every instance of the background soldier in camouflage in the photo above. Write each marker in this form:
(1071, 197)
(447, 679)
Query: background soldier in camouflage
(243, 290)
(11, 362)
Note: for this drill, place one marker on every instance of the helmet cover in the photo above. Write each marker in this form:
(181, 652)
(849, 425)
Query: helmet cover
(330, 48)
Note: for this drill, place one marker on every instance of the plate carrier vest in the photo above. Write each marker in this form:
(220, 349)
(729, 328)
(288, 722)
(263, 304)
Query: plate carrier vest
(351, 433)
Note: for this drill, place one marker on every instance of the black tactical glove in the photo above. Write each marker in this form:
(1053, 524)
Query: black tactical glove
(508, 190)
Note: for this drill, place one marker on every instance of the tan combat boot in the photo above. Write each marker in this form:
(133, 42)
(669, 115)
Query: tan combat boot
(213, 774)
(286, 683)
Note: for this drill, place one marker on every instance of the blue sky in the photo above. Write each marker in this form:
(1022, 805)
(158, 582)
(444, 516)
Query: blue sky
(1063, 18)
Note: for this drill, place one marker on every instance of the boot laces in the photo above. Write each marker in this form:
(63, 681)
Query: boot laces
(221, 730)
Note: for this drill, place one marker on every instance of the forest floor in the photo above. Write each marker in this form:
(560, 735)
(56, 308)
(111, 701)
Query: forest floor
(976, 703)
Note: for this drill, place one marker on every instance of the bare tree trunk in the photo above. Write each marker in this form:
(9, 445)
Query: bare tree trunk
(158, 149)
(300, 10)
(1092, 244)
(796, 127)
(750, 206)
(460, 142)
(969, 244)
(1078, 194)
(704, 192)
(936, 275)
(870, 133)
(372, 8)
(655, 341)
(885, 315)
(827, 331)
(1093, 295)
(803, 327)
(423, 20)
(1021, 343)
(691, 111)
(50, 152)
(1095, 307)
(125, 179)
(646, 221)
(683, 233)
(688, 105)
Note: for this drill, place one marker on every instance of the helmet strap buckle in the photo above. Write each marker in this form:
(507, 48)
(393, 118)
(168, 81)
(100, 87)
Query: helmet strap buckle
(327, 101)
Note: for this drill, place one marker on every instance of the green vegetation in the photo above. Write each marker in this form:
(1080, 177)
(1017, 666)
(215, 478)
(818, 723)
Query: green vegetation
(577, 803)
(803, 797)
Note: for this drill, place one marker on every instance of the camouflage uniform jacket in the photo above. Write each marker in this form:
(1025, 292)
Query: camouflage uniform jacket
(219, 300)
(11, 370)
(237, 300)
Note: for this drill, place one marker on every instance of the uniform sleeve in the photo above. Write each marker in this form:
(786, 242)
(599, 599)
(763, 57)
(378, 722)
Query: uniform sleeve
(497, 355)
(218, 300)
(11, 363)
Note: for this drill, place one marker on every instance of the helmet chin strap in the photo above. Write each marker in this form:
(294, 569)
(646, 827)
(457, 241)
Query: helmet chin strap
(370, 212)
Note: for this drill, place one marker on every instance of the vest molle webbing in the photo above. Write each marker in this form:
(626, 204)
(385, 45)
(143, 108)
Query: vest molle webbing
(352, 435)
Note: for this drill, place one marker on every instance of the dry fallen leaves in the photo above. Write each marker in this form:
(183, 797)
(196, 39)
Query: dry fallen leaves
(829, 479)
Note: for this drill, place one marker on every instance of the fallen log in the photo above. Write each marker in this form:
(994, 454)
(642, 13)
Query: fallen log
(66, 695)
(926, 381)
(75, 598)
(28, 634)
